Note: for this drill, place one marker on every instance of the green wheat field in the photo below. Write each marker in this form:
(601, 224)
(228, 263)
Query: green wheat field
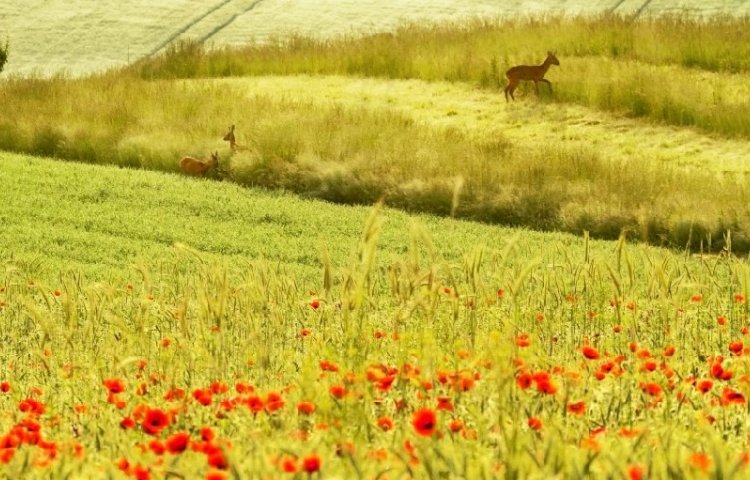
(393, 273)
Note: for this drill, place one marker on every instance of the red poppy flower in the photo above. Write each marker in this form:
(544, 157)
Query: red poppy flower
(385, 383)
(127, 423)
(218, 460)
(174, 394)
(669, 351)
(732, 396)
(204, 396)
(653, 389)
(636, 472)
(178, 442)
(535, 423)
(523, 340)
(546, 386)
(311, 463)
(157, 447)
(524, 380)
(337, 391)
(736, 347)
(216, 475)
(629, 432)
(306, 408)
(385, 423)
(123, 464)
(590, 352)
(32, 406)
(5, 387)
(704, 386)
(155, 421)
(327, 366)
(254, 403)
(649, 366)
(114, 385)
(577, 408)
(274, 401)
(444, 403)
(207, 434)
(424, 421)
(456, 425)
(464, 383)
(289, 465)
(701, 461)
(217, 388)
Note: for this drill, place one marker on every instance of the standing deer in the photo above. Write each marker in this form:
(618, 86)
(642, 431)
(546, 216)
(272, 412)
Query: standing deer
(534, 73)
(193, 166)
(229, 137)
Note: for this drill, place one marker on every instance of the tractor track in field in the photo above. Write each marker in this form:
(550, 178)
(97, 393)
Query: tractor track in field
(187, 27)
(617, 5)
(231, 20)
(640, 10)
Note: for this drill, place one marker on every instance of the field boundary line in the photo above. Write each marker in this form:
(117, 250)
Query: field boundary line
(187, 27)
(230, 21)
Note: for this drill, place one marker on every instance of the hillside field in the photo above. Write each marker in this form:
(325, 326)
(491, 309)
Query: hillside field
(406, 353)
(50, 36)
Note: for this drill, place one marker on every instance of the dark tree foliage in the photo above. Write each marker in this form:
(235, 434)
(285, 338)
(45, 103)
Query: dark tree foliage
(3, 55)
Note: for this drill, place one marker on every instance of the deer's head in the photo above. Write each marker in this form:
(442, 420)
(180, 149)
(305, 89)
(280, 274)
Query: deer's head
(551, 58)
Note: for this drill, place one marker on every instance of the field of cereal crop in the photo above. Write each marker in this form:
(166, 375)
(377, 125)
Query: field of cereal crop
(378, 283)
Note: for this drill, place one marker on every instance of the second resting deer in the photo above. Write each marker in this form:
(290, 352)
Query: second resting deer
(193, 166)
(534, 73)
(229, 137)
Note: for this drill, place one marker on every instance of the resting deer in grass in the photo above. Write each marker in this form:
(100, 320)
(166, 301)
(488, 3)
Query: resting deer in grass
(229, 137)
(534, 73)
(193, 166)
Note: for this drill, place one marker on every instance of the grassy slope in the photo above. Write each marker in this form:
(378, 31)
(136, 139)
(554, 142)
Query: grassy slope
(485, 115)
(355, 140)
(101, 220)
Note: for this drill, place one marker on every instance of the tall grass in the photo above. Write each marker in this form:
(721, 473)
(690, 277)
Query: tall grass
(608, 62)
(356, 156)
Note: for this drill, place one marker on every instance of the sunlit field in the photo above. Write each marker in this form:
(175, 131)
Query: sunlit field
(393, 273)
(406, 353)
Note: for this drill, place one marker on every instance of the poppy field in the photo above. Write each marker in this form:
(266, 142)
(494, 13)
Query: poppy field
(396, 359)
(398, 275)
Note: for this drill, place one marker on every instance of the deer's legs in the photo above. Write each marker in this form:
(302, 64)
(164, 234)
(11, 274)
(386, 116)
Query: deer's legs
(548, 83)
(536, 87)
(512, 84)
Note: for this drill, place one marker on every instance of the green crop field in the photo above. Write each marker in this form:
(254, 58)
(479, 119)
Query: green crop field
(394, 273)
